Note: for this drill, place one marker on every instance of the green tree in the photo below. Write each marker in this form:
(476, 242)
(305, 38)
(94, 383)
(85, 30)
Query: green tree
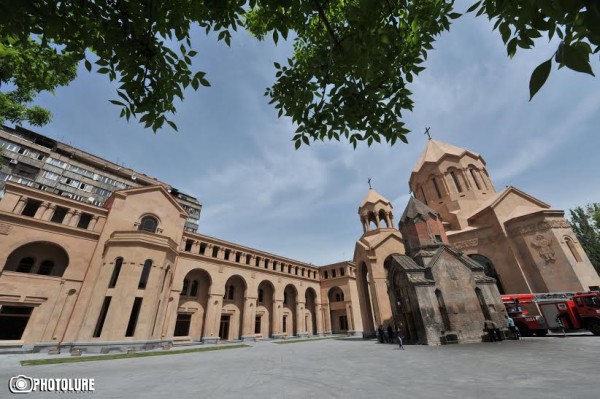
(348, 78)
(586, 225)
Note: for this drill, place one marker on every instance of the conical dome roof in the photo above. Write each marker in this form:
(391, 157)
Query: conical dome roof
(416, 208)
(373, 197)
(435, 150)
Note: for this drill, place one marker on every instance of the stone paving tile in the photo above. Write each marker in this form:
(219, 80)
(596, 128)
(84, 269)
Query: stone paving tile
(551, 367)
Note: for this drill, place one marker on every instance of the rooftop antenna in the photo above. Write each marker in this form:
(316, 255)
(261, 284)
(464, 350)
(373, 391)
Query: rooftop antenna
(427, 132)
(369, 181)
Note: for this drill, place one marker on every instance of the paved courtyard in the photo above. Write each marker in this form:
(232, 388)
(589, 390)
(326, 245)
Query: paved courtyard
(549, 367)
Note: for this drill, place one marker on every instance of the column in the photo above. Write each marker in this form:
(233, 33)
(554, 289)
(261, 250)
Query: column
(350, 318)
(195, 247)
(248, 319)
(93, 223)
(300, 324)
(68, 217)
(20, 205)
(75, 219)
(277, 318)
(327, 318)
(213, 319)
(319, 319)
(41, 210)
(49, 212)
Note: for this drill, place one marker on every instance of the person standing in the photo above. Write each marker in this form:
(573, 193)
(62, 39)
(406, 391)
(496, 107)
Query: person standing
(380, 334)
(489, 328)
(399, 337)
(512, 327)
(390, 333)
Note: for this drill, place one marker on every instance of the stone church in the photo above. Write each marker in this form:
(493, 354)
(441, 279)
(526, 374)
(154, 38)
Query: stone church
(458, 246)
(129, 273)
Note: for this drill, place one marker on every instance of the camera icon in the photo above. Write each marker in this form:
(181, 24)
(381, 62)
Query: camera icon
(20, 384)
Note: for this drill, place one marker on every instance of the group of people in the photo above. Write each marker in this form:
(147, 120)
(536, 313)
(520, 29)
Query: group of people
(494, 333)
(389, 335)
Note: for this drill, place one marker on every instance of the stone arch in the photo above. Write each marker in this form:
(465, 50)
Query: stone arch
(335, 294)
(49, 258)
(310, 298)
(149, 222)
(383, 218)
(193, 304)
(264, 322)
(571, 245)
(372, 221)
(290, 299)
(489, 269)
(337, 309)
(365, 299)
(232, 313)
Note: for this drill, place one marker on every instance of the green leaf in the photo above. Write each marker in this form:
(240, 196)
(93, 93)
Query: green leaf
(204, 82)
(474, 7)
(173, 125)
(577, 59)
(455, 15)
(88, 65)
(539, 77)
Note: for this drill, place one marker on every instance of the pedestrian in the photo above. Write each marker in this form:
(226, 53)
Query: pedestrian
(399, 337)
(512, 327)
(489, 328)
(380, 334)
(561, 325)
(390, 333)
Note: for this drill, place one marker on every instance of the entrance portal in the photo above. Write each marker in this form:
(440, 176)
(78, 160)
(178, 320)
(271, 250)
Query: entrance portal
(224, 327)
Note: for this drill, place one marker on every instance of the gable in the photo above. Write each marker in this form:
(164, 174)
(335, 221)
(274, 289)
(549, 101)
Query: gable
(510, 203)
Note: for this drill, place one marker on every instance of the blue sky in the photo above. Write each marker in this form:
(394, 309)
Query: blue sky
(237, 157)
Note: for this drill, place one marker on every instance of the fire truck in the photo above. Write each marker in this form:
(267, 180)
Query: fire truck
(568, 310)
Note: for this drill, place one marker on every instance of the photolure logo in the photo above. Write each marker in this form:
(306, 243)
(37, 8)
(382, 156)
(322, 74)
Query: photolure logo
(24, 384)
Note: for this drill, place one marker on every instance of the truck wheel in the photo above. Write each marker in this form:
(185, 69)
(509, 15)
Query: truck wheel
(524, 330)
(541, 333)
(594, 328)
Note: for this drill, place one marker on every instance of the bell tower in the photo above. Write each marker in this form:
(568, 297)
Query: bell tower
(376, 212)
(452, 181)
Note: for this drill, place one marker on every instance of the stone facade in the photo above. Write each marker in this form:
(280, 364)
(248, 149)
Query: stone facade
(128, 275)
(522, 242)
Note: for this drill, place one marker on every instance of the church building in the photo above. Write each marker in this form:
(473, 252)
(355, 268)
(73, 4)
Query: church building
(131, 273)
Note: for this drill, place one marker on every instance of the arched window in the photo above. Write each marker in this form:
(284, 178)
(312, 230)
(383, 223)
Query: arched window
(115, 274)
(231, 292)
(184, 290)
(473, 175)
(149, 223)
(296, 270)
(25, 265)
(46, 268)
(194, 289)
(145, 274)
(573, 250)
(261, 295)
(437, 188)
(285, 298)
(456, 181)
(383, 218)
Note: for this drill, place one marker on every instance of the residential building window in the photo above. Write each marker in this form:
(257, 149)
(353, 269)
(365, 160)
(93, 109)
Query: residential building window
(333, 274)
(31, 208)
(102, 317)
(46, 268)
(202, 248)
(84, 220)
(188, 245)
(145, 274)
(149, 223)
(25, 265)
(115, 274)
(59, 214)
(341, 271)
(133, 318)
(194, 289)
(184, 290)
(215, 251)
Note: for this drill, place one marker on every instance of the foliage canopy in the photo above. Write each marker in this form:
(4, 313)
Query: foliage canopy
(347, 79)
(586, 225)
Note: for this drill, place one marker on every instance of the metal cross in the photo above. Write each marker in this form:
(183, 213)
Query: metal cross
(369, 181)
(427, 132)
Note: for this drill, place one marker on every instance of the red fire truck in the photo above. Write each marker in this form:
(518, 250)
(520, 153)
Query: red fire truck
(574, 310)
